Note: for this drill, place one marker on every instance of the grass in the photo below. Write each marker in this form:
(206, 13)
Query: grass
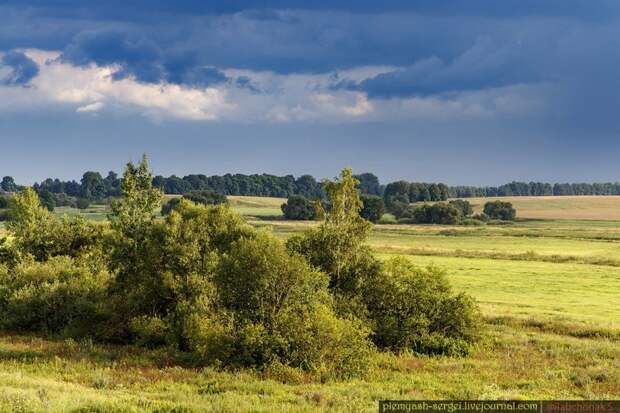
(560, 207)
(549, 290)
(62, 376)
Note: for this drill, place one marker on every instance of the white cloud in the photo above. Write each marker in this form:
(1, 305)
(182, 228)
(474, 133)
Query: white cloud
(272, 97)
(93, 107)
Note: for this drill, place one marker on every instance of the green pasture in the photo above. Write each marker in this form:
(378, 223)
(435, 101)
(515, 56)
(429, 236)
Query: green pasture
(549, 290)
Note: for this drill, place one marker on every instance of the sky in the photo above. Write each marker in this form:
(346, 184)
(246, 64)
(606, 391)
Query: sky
(472, 92)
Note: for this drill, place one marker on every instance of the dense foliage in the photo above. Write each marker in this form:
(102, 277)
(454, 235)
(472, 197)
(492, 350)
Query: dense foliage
(299, 208)
(203, 197)
(203, 282)
(500, 210)
(405, 307)
(373, 208)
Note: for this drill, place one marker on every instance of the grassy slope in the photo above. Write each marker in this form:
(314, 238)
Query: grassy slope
(541, 341)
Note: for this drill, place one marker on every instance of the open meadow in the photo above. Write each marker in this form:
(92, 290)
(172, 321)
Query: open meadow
(548, 287)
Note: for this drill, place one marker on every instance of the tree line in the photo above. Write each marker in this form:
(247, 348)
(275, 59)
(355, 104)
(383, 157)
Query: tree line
(94, 187)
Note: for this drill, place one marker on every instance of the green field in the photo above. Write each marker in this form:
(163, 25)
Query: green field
(549, 290)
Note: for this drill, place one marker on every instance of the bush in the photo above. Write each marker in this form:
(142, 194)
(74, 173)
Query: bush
(414, 308)
(463, 206)
(500, 210)
(43, 235)
(206, 197)
(299, 208)
(82, 203)
(60, 295)
(276, 308)
(387, 219)
(437, 213)
(373, 208)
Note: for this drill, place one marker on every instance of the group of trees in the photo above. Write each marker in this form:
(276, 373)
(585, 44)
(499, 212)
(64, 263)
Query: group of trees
(535, 189)
(455, 212)
(203, 282)
(409, 192)
(301, 208)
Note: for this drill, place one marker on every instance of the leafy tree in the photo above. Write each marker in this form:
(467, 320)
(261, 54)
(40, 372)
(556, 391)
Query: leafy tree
(463, 206)
(93, 186)
(369, 184)
(47, 200)
(8, 184)
(437, 213)
(132, 221)
(112, 184)
(299, 208)
(82, 203)
(500, 210)
(373, 208)
(337, 245)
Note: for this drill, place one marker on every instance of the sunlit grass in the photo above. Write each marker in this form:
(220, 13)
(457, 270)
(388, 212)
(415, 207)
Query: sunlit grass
(552, 331)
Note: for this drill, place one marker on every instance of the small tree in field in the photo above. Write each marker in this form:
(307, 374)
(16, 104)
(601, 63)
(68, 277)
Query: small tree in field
(132, 219)
(337, 245)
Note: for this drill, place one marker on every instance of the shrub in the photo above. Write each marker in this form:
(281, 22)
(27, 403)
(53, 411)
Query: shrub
(373, 208)
(387, 219)
(414, 308)
(437, 213)
(82, 203)
(299, 208)
(276, 308)
(463, 206)
(55, 296)
(43, 235)
(500, 210)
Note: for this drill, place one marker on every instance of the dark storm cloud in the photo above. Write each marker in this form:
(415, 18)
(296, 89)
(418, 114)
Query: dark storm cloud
(140, 57)
(23, 69)
(435, 47)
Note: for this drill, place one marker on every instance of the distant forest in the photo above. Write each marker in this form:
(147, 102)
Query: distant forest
(93, 186)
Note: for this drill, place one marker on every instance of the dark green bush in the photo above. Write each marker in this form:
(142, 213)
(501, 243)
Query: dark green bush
(82, 203)
(500, 210)
(415, 308)
(299, 208)
(437, 213)
(463, 206)
(373, 208)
